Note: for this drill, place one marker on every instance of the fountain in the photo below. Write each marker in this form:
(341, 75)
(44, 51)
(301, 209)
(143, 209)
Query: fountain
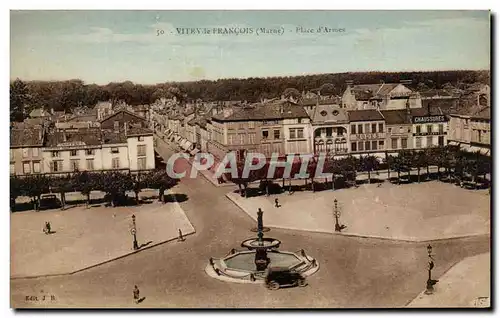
(250, 266)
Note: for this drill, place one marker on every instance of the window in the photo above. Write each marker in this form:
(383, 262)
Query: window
(418, 142)
(353, 129)
(75, 165)
(300, 120)
(367, 128)
(116, 124)
(90, 164)
(276, 134)
(381, 127)
(55, 154)
(12, 168)
(389, 130)
(380, 144)
(360, 146)
(429, 128)
(242, 139)
(429, 141)
(292, 134)
(74, 153)
(141, 150)
(353, 146)
(374, 145)
(116, 163)
(367, 145)
(26, 152)
(394, 143)
(89, 152)
(114, 150)
(140, 138)
(36, 166)
(441, 129)
(265, 134)
(409, 129)
(56, 166)
(35, 152)
(441, 140)
(26, 168)
(466, 124)
(141, 163)
(401, 129)
(300, 133)
(404, 143)
(360, 129)
(374, 128)
(340, 131)
(418, 129)
(251, 124)
(251, 138)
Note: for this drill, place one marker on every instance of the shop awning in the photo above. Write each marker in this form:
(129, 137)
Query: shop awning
(453, 143)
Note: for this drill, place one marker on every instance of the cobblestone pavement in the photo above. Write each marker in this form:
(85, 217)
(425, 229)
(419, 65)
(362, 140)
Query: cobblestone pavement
(354, 272)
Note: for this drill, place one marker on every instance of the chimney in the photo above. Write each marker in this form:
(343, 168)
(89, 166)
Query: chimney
(125, 127)
(281, 108)
(40, 134)
(65, 138)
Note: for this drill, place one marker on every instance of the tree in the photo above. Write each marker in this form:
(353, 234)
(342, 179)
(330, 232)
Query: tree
(86, 182)
(419, 161)
(368, 164)
(34, 186)
(15, 191)
(158, 179)
(19, 101)
(62, 185)
(115, 184)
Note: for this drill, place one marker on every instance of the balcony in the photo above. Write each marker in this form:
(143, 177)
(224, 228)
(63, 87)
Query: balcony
(370, 136)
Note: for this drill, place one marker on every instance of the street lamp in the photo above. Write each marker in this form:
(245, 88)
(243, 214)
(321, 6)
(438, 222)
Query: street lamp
(336, 213)
(133, 231)
(430, 282)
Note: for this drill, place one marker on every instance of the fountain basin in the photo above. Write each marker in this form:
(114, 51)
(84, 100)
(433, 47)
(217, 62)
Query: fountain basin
(266, 242)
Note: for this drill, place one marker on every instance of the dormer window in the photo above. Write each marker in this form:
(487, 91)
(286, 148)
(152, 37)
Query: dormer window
(323, 113)
(335, 112)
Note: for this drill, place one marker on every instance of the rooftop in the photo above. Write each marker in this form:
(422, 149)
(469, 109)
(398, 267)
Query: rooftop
(280, 110)
(365, 115)
(26, 137)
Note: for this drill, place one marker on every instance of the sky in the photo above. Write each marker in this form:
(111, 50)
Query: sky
(148, 47)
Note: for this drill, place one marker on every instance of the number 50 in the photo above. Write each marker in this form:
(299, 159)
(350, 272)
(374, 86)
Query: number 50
(160, 32)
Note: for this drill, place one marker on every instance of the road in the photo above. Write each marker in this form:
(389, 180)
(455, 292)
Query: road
(354, 272)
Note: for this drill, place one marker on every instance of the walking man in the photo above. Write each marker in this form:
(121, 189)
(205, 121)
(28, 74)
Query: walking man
(276, 203)
(136, 294)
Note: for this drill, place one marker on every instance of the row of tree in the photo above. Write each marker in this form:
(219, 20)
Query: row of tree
(67, 95)
(450, 161)
(114, 184)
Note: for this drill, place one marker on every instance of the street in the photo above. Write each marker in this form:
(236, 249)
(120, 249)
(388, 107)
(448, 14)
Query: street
(354, 272)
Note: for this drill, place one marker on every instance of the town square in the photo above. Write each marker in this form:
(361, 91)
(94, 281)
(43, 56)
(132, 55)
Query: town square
(347, 190)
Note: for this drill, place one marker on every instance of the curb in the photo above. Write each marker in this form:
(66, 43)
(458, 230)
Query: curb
(102, 263)
(363, 235)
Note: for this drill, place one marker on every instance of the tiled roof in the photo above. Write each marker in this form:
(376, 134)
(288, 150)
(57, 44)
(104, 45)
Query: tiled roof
(365, 115)
(113, 137)
(264, 112)
(329, 114)
(90, 136)
(83, 118)
(396, 116)
(367, 91)
(138, 131)
(482, 112)
(26, 137)
(436, 93)
(123, 111)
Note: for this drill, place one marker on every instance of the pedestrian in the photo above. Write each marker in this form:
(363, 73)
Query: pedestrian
(49, 231)
(136, 294)
(276, 203)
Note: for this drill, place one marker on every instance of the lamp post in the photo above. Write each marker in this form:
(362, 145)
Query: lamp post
(336, 214)
(430, 282)
(133, 231)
